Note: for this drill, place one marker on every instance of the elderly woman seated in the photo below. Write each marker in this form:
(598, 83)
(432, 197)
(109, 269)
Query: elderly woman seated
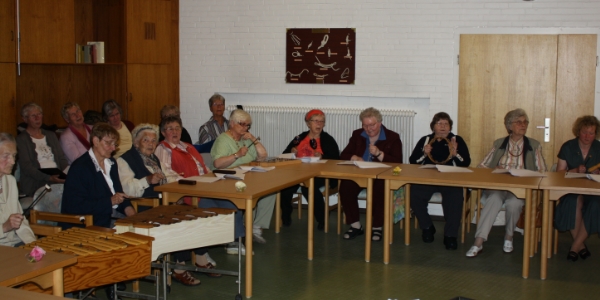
(15, 228)
(112, 112)
(180, 160)
(41, 158)
(235, 147)
(314, 142)
(442, 147)
(92, 186)
(515, 151)
(75, 140)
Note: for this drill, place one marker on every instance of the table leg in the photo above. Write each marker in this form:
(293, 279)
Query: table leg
(532, 221)
(369, 220)
(387, 220)
(407, 214)
(278, 212)
(527, 233)
(249, 248)
(545, 232)
(311, 216)
(57, 283)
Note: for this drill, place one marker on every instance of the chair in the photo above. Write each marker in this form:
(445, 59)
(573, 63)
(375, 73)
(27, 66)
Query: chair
(326, 193)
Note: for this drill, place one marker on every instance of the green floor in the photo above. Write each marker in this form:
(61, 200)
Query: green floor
(418, 271)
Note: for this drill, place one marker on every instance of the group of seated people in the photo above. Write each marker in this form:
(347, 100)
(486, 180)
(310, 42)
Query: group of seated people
(110, 162)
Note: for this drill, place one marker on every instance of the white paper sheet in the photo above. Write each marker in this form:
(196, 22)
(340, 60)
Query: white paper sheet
(347, 162)
(427, 167)
(575, 175)
(594, 177)
(311, 159)
(452, 169)
(501, 171)
(370, 165)
(526, 173)
(203, 179)
(287, 155)
(256, 168)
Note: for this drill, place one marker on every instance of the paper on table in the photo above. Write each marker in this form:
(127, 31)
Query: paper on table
(452, 169)
(203, 179)
(310, 159)
(370, 165)
(526, 173)
(239, 175)
(500, 171)
(347, 162)
(594, 177)
(256, 168)
(427, 167)
(575, 175)
(287, 155)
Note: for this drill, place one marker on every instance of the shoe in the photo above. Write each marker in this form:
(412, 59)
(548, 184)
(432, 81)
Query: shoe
(121, 286)
(321, 226)
(474, 251)
(584, 253)
(508, 246)
(257, 236)
(232, 248)
(208, 266)
(376, 235)
(287, 222)
(352, 233)
(428, 234)
(450, 243)
(572, 256)
(210, 260)
(186, 278)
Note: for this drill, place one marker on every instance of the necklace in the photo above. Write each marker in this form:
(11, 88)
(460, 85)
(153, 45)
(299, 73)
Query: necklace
(516, 146)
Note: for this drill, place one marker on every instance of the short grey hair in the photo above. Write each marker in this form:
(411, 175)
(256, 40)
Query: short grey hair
(239, 115)
(28, 107)
(168, 108)
(215, 97)
(67, 106)
(512, 115)
(109, 106)
(137, 135)
(7, 138)
(371, 112)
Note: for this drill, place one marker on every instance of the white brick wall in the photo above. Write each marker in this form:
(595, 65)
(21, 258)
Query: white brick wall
(405, 48)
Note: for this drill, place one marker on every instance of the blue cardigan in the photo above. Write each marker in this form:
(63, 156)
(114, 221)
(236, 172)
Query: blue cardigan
(87, 193)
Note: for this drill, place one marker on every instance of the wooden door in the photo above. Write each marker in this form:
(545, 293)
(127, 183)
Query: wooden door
(148, 31)
(8, 91)
(498, 73)
(7, 31)
(47, 31)
(149, 90)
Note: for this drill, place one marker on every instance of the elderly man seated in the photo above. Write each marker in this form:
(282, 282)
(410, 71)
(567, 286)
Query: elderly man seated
(216, 125)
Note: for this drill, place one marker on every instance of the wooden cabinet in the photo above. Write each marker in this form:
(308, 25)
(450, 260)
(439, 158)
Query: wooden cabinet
(8, 121)
(47, 31)
(8, 34)
(141, 69)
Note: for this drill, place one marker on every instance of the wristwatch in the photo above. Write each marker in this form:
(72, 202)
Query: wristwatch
(235, 156)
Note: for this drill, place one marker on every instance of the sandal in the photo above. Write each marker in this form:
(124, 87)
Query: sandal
(353, 233)
(185, 278)
(376, 235)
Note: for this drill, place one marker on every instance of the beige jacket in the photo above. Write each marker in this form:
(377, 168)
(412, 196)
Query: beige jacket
(9, 204)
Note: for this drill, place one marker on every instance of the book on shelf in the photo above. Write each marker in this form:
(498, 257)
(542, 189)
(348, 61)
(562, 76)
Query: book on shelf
(92, 53)
(97, 51)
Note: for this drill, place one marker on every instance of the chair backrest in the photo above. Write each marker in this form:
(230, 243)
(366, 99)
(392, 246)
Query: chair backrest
(208, 161)
(50, 202)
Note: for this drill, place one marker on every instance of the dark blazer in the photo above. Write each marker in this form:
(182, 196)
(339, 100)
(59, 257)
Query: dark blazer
(440, 152)
(391, 146)
(328, 145)
(86, 192)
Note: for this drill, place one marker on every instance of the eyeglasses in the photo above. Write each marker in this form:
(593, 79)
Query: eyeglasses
(173, 128)
(110, 143)
(369, 125)
(248, 125)
(521, 123)
(321, 122)
(443, 124)
(218, 104)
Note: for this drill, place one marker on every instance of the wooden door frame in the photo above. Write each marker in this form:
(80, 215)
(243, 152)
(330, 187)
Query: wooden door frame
(515, 30)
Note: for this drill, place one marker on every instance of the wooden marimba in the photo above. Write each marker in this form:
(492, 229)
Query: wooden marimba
(181, 227)
(104, 257)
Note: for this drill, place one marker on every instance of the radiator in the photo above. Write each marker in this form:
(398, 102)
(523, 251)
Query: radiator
(278, 125)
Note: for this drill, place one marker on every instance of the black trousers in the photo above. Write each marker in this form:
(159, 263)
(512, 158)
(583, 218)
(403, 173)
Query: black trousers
(452, 203)
(288, 193)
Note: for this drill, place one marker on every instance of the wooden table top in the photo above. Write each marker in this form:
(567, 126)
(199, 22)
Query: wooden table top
(19, 294)
(480, 177)
(331, 169)
(556, 182)
(16, 268)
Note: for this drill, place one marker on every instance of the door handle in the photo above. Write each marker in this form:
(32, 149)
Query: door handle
(546, 128)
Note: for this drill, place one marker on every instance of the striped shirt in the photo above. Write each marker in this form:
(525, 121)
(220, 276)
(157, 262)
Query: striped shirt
(211, 130)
